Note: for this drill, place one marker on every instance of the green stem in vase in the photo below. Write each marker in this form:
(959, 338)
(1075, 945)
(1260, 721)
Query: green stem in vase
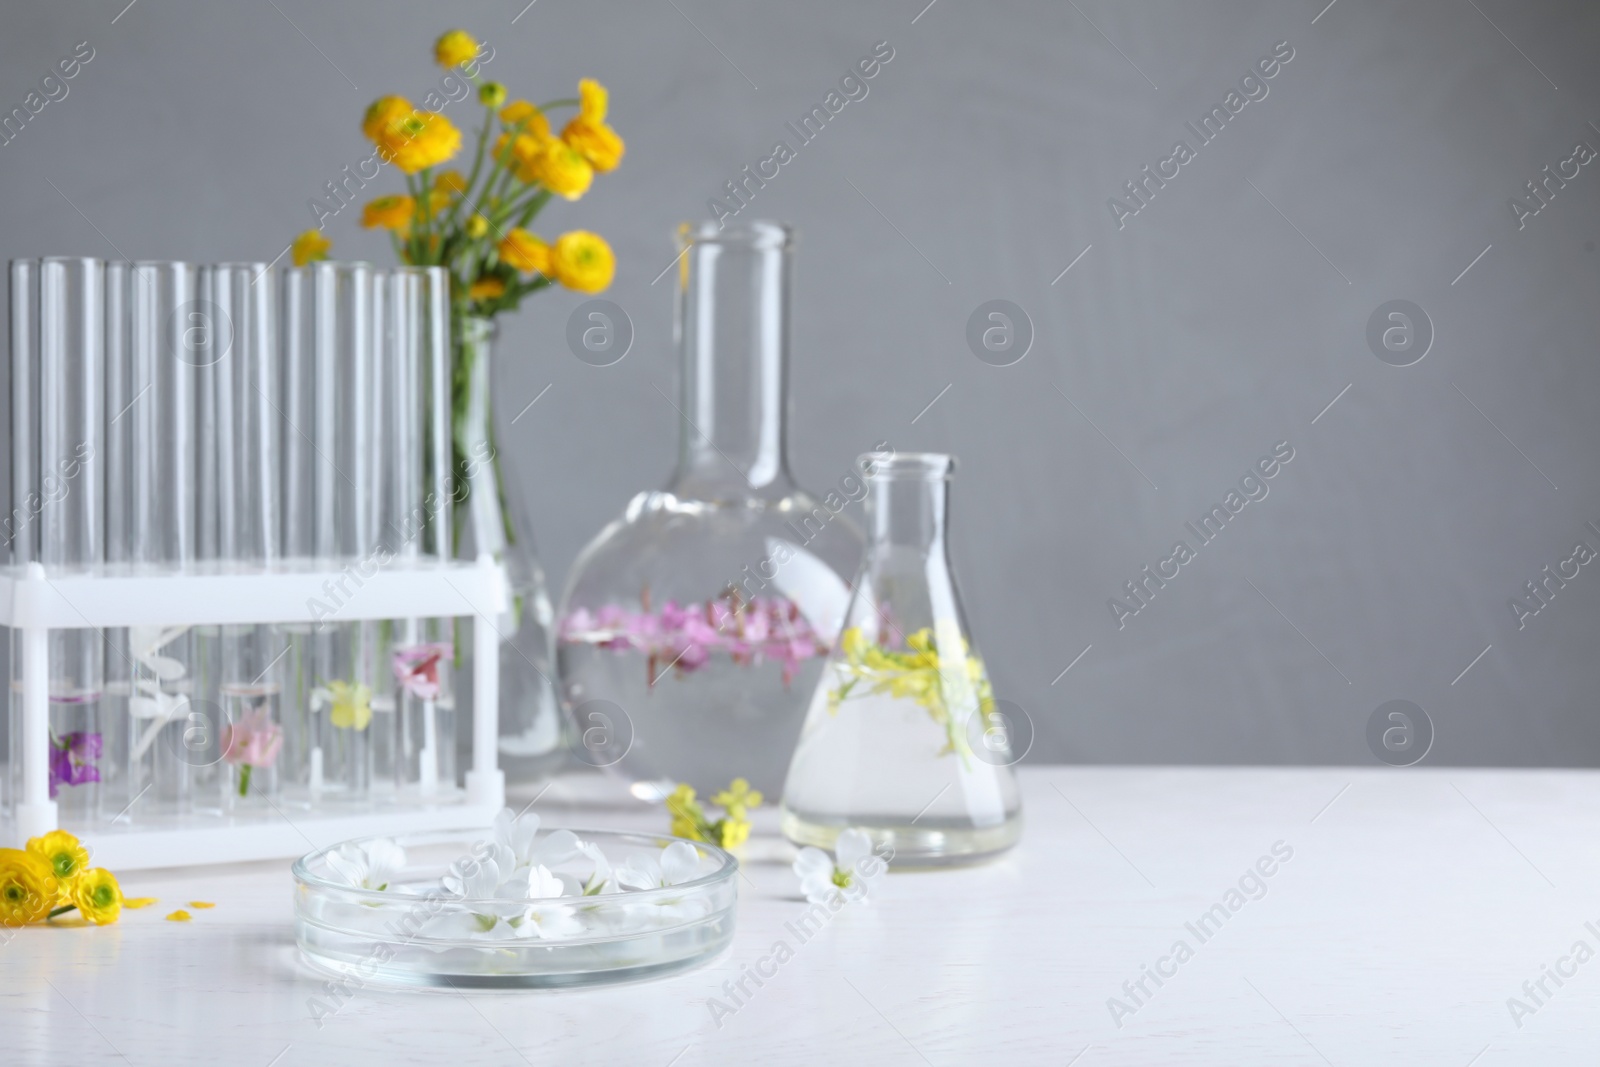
(244, 779)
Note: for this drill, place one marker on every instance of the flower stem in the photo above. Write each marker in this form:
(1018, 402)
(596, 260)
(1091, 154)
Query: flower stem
(244, 779)
(61, 911)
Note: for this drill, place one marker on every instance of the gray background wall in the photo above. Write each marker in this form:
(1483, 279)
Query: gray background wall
(1220, 320)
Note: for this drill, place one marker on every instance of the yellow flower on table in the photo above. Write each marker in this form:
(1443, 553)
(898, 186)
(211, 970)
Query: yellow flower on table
(65, 854)
(738, 798)
(392, 212)
(28, 887)
(98, 897)
(526, 252)
(454, 48)
(352, 705)
(311, 245)
(583, 261)
(734, 832)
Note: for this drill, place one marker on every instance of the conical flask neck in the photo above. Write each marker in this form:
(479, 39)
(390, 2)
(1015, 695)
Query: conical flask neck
(908, 503)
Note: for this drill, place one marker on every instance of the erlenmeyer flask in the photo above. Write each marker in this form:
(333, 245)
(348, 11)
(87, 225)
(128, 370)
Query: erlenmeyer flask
(900, 739)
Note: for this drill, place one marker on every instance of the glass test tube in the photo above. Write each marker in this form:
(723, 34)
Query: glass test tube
(58, 368)
(414, 517)
(164, 326)
(240, 527)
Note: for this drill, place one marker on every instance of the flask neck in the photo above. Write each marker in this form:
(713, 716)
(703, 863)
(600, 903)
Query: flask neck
(908, 504)
(732, 331)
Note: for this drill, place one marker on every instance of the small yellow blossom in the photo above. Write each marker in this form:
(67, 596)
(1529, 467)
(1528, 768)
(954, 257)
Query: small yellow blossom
(412, 140)
(179, 916)
(738, 798)
(476, 226)
(382, 114)
(593, 100)
(98, 897)
(311, 245)
(352, 705)
(531, 119)
(583, 261)
(588, 133)
(450, 181)
(490, 288)
(526, 252)
(595, 142)
(454, 48)
(734, 832)
(491, 94)
(392, 212)
(28, 887)
(65, 854)
(562, 170)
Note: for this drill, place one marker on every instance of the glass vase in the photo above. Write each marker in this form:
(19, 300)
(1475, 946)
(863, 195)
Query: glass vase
(491, 516)
(694, 627)
(902, 738)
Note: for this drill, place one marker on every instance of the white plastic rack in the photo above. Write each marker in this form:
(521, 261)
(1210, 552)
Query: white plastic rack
(35, 602)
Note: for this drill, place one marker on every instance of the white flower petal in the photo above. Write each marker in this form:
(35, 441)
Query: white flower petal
(543, 884)
(853, 845)
(812, 861)
(558, 846)
(680, 862)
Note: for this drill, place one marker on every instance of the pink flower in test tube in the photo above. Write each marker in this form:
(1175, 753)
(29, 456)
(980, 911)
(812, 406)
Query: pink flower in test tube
(416, 668)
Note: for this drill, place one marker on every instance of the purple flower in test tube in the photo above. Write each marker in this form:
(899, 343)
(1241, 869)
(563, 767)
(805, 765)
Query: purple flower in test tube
(72, 760)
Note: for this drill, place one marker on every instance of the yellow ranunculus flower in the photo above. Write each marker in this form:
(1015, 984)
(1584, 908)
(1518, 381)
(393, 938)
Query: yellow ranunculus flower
(454, 48)
(563, 171)
(531, 119)
(488, 288)
(392, 212)
(28, 887)
(583, 261)
(65, 854)
(524, 160)
(309, 246)
(595, 142)
(526, 252)
(352, 705)
(592, 100)
(491, 94)
(476, 226)
(98, 897)
(451, 181)
(383, 113)
(418, 140)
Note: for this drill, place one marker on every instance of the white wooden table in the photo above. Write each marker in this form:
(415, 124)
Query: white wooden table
(1415, 903)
